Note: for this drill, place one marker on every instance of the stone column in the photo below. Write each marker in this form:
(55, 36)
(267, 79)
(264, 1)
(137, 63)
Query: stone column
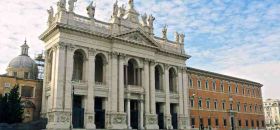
(141, 114)
(114, 96)
(117, 118)
(152, 88)
(186, 98)
(121, 84)
(128, 114)
(68, 78)
(58, 112)
(150, 116)
(59, 76)
(45, 85)
(89, 115)
(181, 100)
(146, 86)
(167, 115)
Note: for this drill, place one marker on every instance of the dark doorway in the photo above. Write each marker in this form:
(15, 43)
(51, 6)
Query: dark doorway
(78, 112)
(99, 110)
(173, 111)
(232, 123)
(134, 113)
(160, 115)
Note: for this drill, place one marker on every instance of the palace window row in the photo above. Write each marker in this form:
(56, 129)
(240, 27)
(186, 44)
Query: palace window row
(232, 106)
(225, 122)
(229, 87)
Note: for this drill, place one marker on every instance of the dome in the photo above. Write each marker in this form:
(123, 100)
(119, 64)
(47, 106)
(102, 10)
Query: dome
(23, 66)
(22, 61)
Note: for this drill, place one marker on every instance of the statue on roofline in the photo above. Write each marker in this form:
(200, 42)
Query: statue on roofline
(177, 37)
(61, 5)
(164, 32)
(91, 10)
(131, 4)
(121, 11)
(50, 12)
(144, 19)
(182, 38)
(71, 4)
(151, 20)
(115, 8)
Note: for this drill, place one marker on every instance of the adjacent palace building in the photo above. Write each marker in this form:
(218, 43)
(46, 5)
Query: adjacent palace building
(119, 75)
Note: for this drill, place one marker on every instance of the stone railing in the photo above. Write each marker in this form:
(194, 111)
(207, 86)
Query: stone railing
(135, 89)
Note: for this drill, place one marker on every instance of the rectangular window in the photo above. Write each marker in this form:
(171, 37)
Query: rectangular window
(250, 108)
(208, 104)
(200, 103)
(193, 122)
(209, 121)
(217, 122)
(199, 84)
(225, 122)
(190, 83)
(236, 88)
(15, 74)
(262, 123)
(230, 107)
(215, 104)
(201, 122)
(26, 91)
(206, 85)
(245, 108)
(239, 123)
(224, 105)
(258, 123)
(229, 88)
(192, 102)
(7, 85)
(222, 87)
(26, 75)
(247, 123)
(214, 86)
(252, 123)
(238, 106)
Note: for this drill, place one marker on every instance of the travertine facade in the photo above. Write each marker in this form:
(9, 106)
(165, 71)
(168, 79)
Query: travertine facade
(272, 114)
(113, 75)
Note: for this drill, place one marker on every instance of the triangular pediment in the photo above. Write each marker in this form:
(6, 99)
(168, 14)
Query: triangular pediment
(138, 36)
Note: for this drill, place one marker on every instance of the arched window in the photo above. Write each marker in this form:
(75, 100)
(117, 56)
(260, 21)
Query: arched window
(172, 80)
(100, 68)
(158, 77)
(133, 73)
(78, 66)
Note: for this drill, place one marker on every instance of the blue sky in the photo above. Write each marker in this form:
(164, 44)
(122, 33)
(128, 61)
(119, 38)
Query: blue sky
(234, 37)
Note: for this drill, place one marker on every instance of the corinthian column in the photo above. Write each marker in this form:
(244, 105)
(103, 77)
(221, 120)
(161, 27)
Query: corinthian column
(146, 86)
(167, 115)
(121, 84)
(90, 95)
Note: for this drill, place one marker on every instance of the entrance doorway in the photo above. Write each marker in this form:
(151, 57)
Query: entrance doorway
(232, 123)
(160, 114)
(99, 109)
(134, 113)
(78, 112)
(174, 115)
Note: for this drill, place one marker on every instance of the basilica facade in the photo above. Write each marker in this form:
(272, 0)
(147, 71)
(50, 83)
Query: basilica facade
(112, 75)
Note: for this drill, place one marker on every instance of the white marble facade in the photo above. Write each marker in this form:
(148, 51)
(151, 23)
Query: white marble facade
(119, 63)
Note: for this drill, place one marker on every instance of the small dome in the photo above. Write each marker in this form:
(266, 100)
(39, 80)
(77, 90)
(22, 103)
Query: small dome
(22, 61)
(23, 66)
